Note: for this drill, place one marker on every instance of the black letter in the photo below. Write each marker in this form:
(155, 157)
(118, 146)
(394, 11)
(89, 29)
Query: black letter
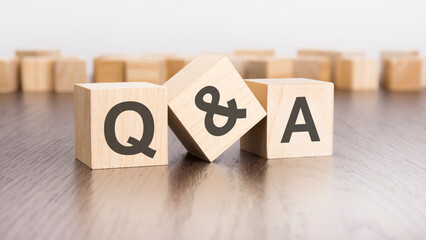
(138, 146)
(309, 126)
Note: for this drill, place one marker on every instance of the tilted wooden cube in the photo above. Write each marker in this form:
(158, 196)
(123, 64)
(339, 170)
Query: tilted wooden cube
(270, 68)
(387, 54)
(356, 74)
(404, 74)
(210, 106)
(146, 69)
(120, 124)
(299, 121)
(312, 67)
(37, 73)
(67, 72)
(332, 55)
(8, 75)
(255, 52)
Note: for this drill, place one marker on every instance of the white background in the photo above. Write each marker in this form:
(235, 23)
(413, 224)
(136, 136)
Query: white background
(89, 28)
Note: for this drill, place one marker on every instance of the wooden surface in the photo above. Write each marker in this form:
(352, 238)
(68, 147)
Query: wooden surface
(374, 186)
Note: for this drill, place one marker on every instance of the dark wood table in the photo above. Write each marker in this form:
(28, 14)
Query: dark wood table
(373, 187)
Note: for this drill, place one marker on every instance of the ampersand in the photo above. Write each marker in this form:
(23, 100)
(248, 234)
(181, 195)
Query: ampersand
(138, 146)
(212, 108)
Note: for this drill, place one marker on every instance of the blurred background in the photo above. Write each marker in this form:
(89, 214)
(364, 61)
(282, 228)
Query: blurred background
(91, 28)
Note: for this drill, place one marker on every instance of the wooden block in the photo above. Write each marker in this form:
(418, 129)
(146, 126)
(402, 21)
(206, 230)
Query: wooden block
(270, 68)
(241, 63)
(356, 74)
(175, 64)
(312, 67)
(67, 72)
(37, 74)
(8, 75)
(120, 124)
(386, 54)
(404, 74)
(332, 55)
(255, 52)
(299, 121)
(109, 69)
(146, 69)
(210, 106)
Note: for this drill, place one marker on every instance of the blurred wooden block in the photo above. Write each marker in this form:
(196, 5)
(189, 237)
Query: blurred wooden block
(386, 54)
(299, 121)
(332, 55)
(210, 106)
(67, 72)
(146, 69)
(37, 73)
(175, 64)
(8, 75)
(255, 52)
(356, 74)
(270, 68)
(404, 74)
(109, 69)
(35, 52)
(312, 67)
(120, 124)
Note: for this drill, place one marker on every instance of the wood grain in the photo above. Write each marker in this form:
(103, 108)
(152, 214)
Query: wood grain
(373, 187)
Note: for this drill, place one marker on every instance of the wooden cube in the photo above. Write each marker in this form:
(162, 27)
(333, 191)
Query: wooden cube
(404, 74)
(387, 54)
(210, 106)
(120, 124)
(255, 52)
(37, 52)
(146, 69)
(356, 74)
(270, 68)
(312, 67)
(67, 72)
(299, 121)
(332, 55)
(37, 73)
(8, 75)
(111, 68)
(175, 64)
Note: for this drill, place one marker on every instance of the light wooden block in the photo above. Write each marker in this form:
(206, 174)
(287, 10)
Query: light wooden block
(206, 79)
(299, 121)
(109, 69)
(270, 68)
(37, 73)
(386, 54)
(37, 52)
(120, 124)
(332, 55)
(146, 69)
(255, 52)
(356, 74)
(312, 67)
(8, 75)
(67, 72)
(404, 74)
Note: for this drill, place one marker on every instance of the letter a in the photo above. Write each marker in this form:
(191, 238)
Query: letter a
(309, 126)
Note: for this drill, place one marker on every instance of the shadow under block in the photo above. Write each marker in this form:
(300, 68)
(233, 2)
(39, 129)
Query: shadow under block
(146, 69)
(210, 106)
(67, 72)
(312, 67)
(37, 74)
(299, 121)
(404, 74)
(120, 124)
(387, 54)
(8, 75)
(255, 52)
(356, 74)
(332, 55)
(270, 68)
